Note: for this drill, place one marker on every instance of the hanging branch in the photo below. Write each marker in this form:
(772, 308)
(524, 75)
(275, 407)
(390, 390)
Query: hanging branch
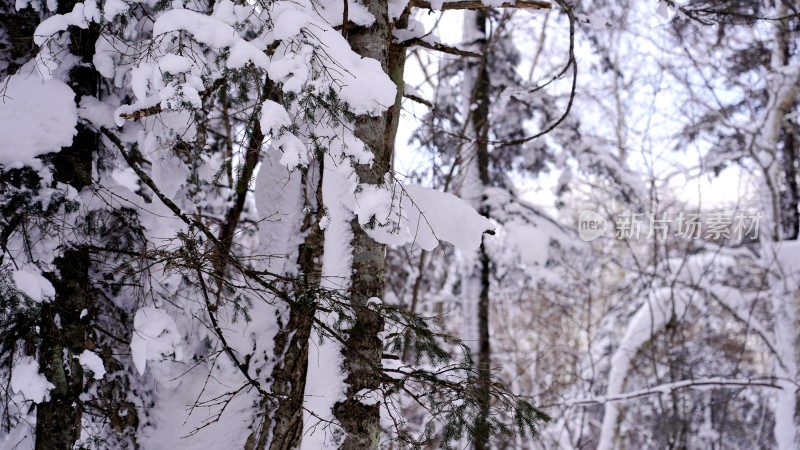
(571, 62)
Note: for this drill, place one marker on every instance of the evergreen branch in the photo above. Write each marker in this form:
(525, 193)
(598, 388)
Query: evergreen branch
(156, 109)
(146, 112)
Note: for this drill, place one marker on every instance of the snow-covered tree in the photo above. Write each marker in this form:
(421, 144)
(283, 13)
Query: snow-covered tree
(154, 295)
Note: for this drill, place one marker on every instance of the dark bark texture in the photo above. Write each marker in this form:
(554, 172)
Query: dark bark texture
(63, 334)
(363, 349)
(282, 424)
(19, 27)
(480, 124)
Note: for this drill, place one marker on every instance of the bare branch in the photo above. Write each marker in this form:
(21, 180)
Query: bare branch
(669, 387)
(441, 48)
(476, 5)
(418, 99)
(571, 62)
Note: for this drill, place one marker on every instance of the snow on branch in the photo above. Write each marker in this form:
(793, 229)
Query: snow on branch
(661, 306)
(666, 388)
(420, 215)
(138, 111)
(476, 5)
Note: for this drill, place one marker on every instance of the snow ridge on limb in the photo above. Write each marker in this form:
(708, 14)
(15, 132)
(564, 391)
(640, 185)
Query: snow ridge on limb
(661, 306)
(420, 215)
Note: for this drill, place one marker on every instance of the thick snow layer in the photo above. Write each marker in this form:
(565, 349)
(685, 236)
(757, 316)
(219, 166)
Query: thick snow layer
(26, 380)
(36, 117)
(90, 361)
(169, 174)
(140, 80)
(289, 22)
(214, 33)
(421, 215)
(325, 382)
(174, 64)
(294, 152)
(155, 338)
(280, 213)
(34, 285)
(60, 22)
(273, 118)
(365, 86)
(100, 114)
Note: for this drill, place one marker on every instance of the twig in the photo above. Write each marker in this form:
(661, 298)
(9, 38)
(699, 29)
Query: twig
(669, 387)
(418, 99)
(476, 5)
(441, 48)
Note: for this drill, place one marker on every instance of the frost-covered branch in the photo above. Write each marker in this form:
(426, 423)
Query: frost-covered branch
(157, 108)
(478, 5)
(666, 388)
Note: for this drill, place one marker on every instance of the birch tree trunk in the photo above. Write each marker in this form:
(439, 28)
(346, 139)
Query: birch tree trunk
(783, 87)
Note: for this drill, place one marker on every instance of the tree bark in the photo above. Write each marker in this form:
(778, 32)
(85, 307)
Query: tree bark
(63, 333)
(363, 348)
(282, 426)
(791, 215)
(480, 125)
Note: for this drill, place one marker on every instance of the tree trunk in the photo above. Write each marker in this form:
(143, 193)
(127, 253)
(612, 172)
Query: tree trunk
(64, 334)
(363, 349)
(480, 127)
(785, 308)
(282, 427)
(58, 421)
(790, 214)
